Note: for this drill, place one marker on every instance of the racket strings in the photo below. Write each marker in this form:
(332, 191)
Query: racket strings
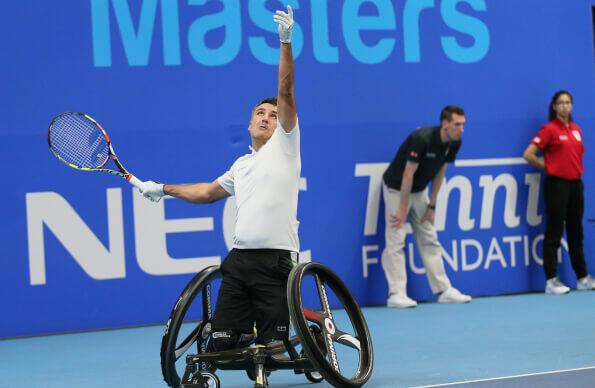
(78, 141)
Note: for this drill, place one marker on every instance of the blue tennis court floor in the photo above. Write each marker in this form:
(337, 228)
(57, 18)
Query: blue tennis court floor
(531, 340)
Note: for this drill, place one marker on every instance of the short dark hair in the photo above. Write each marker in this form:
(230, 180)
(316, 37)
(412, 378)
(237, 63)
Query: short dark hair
(269, 100)
(555, 97)
(449, 110)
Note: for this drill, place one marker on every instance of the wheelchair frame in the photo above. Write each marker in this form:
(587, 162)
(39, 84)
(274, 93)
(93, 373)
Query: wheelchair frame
(316, 332)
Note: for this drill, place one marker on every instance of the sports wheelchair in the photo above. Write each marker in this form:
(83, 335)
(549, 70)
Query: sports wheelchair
(323, 345)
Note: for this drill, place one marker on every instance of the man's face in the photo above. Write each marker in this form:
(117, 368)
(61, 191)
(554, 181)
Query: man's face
(455, 127)
(263, 122)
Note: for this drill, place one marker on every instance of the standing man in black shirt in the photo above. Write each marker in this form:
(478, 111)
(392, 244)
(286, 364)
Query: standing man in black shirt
(421, 159)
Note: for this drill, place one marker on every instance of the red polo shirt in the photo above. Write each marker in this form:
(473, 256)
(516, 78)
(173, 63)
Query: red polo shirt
(562, 148)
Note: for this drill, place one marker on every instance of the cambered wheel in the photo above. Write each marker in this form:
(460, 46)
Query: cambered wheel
(355, 340)
(197, 297)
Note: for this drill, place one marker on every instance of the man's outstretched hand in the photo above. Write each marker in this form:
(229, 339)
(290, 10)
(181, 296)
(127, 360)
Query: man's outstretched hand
(285, 23)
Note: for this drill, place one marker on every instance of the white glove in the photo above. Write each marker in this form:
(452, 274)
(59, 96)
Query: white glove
(285, 22)
(152, 191)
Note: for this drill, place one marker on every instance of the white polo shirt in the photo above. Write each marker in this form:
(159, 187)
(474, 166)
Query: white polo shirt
(266, 185)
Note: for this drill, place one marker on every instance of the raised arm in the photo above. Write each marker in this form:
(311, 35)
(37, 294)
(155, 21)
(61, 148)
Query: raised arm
(194, 193)
(286, 107)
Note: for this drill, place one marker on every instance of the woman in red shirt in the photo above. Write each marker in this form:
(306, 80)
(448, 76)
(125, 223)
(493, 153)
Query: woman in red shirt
(562, 145)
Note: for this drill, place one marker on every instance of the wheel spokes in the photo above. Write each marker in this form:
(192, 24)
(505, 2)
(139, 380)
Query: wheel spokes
(187, 342)
(348, 340)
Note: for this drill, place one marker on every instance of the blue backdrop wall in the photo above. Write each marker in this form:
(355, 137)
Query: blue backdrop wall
(173, 83)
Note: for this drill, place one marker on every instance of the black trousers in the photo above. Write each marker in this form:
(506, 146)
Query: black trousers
(564, 204)
(253, 290)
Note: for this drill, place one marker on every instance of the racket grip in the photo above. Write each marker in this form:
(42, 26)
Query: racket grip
(136, 182)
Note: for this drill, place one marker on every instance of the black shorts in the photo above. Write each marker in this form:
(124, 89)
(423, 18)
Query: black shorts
(253, 289)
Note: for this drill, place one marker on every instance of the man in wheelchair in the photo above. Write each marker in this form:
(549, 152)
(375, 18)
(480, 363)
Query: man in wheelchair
(258, 286)
(265, 183)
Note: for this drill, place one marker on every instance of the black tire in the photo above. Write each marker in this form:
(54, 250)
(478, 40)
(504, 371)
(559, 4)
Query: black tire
(171, 349)
(325, 360)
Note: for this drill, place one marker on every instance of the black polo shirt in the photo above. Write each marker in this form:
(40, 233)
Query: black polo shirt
(425, 147)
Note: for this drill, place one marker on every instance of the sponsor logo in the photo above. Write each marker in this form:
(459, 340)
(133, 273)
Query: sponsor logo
(130, 24)
(208, 297)
(330, 327)
(515, 245)
(537, 139)
(431, 155)
(167, 327)
(563, 137)
(331, 347)
(577, 135)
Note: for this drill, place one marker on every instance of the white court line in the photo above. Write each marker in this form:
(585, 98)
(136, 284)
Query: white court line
(489, 162)
(507, 377)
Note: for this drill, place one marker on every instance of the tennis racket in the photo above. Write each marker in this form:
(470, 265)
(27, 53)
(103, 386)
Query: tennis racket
(80, 142)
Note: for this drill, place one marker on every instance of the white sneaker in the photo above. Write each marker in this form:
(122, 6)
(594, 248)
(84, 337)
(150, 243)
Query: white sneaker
(586, 283)
(452, 295)
(555, 287)
(400, 301)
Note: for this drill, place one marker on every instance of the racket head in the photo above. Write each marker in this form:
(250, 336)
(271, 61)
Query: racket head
(79, 141)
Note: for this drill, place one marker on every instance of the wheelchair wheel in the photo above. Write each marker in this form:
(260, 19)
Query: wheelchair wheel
(212, 381)
(190, 338)
(314, 377)
(208, 380)
(354, 341)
